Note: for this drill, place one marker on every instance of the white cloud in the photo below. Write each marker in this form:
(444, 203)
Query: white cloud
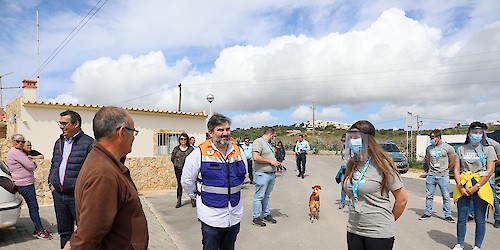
(255, 119)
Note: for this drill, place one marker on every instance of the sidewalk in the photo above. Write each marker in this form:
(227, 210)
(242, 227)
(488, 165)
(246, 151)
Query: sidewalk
(20, 237)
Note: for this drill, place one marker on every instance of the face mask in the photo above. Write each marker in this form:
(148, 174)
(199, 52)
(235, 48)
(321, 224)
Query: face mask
(273, 140)
(433, 142)
(475, 138)
(356, 145)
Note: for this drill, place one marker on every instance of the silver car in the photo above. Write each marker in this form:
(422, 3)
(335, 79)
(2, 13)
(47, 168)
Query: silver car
(10, 203)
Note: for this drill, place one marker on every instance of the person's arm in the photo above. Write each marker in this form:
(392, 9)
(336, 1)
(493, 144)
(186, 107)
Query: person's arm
(307, 147)
(258, 158)
(23, 159)
(484, 179)
(452, 161)
(456, 172)
(98, 203)
(401, 198)
(190, 172)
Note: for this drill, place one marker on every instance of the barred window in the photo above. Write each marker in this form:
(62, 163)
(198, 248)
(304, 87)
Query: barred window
(167, 142)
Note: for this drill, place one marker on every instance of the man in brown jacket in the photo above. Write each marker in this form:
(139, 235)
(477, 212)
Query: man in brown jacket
(109, 211)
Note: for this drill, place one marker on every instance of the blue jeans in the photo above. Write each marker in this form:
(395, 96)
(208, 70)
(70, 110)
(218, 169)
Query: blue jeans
(219, 238)
(496, 215)
(430, 187)
(264, 184)
(29, 195)
(479, 217)
(342, 192)
(64, 204)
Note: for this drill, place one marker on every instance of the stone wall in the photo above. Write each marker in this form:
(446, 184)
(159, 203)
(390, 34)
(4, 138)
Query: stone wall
(148, 173)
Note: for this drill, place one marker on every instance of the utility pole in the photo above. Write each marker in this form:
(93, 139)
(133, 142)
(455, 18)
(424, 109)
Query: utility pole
(313, 108)
(1, 93)
(180, 96)
(409, 127)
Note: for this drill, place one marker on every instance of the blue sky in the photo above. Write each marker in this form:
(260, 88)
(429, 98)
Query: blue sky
(265, 62)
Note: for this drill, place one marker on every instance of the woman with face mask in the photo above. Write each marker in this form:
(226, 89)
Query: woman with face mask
(473, 168)
(370, 176)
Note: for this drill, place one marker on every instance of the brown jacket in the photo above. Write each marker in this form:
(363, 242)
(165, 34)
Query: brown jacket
(109, 211)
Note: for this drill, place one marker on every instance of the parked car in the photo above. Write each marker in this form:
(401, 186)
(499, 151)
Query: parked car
(10, 203)
(397, 156)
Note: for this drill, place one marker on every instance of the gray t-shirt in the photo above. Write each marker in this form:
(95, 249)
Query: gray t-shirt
(375, 218)
(469, 160)
(439, 158)
(495, 145)
(266, 151)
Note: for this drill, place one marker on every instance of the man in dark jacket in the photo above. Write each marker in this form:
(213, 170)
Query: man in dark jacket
(70, 151)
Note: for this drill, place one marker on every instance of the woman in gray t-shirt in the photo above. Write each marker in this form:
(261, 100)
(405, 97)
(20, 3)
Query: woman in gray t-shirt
(473, 168)
(370, 176)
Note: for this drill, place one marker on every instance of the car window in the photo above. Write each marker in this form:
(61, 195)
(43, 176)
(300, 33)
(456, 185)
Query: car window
(390, 147)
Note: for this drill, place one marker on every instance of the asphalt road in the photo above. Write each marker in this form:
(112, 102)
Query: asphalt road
(289, 206)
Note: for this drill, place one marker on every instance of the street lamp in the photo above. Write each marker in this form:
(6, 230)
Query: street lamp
(210, 99)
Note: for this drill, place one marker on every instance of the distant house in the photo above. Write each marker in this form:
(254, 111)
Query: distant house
(158, 129)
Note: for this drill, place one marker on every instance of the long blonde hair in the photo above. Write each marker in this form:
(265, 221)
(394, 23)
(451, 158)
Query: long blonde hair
(377, 154)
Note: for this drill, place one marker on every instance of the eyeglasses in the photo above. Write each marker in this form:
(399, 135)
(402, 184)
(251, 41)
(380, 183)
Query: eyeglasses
(433, 136)
(183, 139)
(19, 141)
(62, 123)
(136, 132)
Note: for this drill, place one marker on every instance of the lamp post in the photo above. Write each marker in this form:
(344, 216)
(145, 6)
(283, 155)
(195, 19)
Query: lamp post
(210, 99)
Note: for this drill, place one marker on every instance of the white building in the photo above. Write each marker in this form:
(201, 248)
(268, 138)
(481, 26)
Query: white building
(158, 129)
(323, 124)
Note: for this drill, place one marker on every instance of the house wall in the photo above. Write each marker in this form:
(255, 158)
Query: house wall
(38, 123)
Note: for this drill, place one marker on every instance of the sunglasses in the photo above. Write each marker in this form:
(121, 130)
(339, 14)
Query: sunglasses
(19, 141)
(183, 139)
(433, 136)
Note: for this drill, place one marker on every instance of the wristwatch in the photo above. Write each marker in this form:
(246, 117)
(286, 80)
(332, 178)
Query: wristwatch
(478, 185)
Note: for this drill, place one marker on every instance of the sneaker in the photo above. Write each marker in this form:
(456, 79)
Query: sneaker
(270, 219)
(258, 221)
(449, 219)
(496, 224)
(424, 217)
(42, 234)
(342, 204)
(476, 248)
(470, 217)
(458, 247)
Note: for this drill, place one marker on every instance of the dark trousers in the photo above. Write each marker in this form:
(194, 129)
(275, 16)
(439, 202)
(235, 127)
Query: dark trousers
(29, 195)
(356, 242)
(250, 170)
(178, 174)
(64, 204)
(301, 163)
(215, 238)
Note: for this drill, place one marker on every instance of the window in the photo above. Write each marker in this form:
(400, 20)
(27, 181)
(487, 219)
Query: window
(166, 142)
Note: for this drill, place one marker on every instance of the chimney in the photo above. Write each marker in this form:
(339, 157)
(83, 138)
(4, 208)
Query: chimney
(29, 88)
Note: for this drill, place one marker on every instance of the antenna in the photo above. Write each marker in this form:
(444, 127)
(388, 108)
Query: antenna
(1, 88)
(37, 53)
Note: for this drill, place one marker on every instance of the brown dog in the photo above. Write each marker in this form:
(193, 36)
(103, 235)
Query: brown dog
(314, 203)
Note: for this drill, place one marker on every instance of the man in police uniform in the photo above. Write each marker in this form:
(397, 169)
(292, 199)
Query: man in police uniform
(247, 148)
(301, 149)
(213, 174)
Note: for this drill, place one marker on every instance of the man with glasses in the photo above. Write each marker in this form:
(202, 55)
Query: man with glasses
(247, 148)
(440, 157)
(70, 151)
(110, 215)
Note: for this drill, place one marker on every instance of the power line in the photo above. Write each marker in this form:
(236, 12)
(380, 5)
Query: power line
(70, 36)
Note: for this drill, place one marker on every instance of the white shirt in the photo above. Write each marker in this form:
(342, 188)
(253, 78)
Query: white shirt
(215, 217)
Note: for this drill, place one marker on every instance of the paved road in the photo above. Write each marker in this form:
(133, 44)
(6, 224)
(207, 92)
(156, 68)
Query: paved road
(172, 228)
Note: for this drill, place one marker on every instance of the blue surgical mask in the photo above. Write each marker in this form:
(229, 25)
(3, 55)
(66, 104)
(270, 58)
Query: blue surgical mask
(273, 140)
(356, 145)
(476, 138)
(433, 142)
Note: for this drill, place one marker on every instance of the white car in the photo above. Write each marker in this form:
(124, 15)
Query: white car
(10, 203)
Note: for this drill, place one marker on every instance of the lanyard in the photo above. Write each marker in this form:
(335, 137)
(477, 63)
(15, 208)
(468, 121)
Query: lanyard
(356, 184)
(482, 156)
(438, 155)
(269, 145)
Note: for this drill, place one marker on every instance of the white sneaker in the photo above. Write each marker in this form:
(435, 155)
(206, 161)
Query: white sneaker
(476, 248)
(458, 247)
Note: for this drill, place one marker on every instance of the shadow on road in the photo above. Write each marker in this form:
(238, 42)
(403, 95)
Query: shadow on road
(447, 239)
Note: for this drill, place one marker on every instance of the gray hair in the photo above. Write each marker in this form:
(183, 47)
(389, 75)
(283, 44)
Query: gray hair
(216, 120)
(107, 120)
(17, 136)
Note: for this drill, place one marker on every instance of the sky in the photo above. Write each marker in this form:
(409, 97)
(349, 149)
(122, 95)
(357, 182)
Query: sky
(265, 62)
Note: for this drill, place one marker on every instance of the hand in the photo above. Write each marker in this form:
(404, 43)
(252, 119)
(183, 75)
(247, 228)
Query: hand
(67, 246)
(276, 163)
(464, 191)
(52, 190)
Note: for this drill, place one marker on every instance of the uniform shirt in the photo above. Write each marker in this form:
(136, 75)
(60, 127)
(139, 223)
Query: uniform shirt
(247, 149)
(375, 218)
(302, 147)
(469, 160)
(265, 150)
(215, 217)
(439, 158)
(495, 146)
